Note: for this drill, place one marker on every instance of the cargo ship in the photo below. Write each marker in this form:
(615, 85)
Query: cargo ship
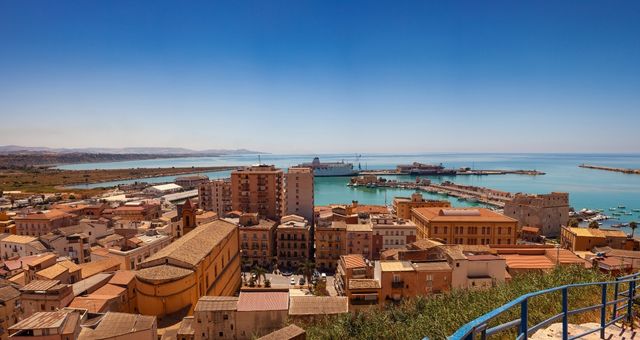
(424, 169)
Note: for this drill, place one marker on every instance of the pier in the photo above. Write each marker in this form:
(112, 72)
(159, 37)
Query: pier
(487, 196)
(607, 168)
(460, 172)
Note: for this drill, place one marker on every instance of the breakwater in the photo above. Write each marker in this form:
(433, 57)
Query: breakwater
(608, 168)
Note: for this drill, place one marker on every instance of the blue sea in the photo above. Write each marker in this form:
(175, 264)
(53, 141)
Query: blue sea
(593, 189)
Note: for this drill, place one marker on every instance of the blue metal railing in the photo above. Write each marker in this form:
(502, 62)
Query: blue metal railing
(622, 301)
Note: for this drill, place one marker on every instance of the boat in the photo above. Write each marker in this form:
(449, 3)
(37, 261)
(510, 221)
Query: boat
(628, 213)
(616, 226)
(332, 169)
(419, 169)
(612, 209)
(635, 210)
(621, 207)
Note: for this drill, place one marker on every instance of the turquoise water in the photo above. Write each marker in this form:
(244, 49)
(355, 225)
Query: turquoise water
(592, 189)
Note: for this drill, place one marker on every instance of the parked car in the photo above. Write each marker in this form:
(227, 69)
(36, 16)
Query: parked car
(323, 276)
(293, 281)
(286, 273)
(302, 281)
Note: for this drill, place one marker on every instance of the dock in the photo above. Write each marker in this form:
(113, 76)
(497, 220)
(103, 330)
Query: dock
(607, 168)
(487, 196)
(461, 172)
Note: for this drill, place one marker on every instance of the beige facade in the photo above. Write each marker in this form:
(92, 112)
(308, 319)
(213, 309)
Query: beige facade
(402, 205)
(215, 196)
(215, 317)
(258, 189)
(330, 244)
(471, 226)
(549, 212)
(390, 232)
(293, 239)
(20, 246)
(205, 261)
(359, 240)
(45, 296)
(257, 240)
(43, 222)
(144, 246)
(299, 194)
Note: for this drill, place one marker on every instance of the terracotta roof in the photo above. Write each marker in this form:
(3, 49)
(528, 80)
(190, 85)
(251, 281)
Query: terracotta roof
(113, 325)
(109, 289)
(318, 305)
(372, 209)
(43, 320)
(484, 257)
(290, 332)
(44, 215)
(38, 259)
(92, 303)
(517, 261)
(364, 284)
(123, 277)
(43, 285)
(424, 244)
(216, 303)
(353, 261)
(53, 271)
(19, 239)
(263, 301)
(191, 248)
(461, 214)
(596, 232)
(454, 251)
(162, 273)
(94, 267)
(69, 265)
(532, 230)
(8, 293)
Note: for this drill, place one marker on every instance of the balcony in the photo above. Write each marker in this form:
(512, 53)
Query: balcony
(397, 284)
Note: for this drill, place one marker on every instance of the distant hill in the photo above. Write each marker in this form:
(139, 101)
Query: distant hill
(14, 156)
(12, 149)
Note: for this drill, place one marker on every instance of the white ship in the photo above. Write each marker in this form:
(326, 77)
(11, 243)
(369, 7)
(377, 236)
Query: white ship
(330, 169)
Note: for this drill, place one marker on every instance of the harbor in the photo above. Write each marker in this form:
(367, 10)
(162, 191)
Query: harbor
(473, 194)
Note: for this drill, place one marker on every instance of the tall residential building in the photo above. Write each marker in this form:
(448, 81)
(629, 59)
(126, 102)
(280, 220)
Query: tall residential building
(294, 241)
(549, 212)
(215, 196)
(402, 205)
(330, 244)
(298, 198)
(472, 226)
(258, 189)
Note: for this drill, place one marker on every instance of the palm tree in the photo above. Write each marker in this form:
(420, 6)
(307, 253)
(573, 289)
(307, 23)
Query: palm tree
(260, 273)
(633, 225)
(594, 225)
(307, 267)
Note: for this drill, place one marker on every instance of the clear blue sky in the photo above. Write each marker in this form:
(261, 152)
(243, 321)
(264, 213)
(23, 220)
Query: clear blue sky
(322, 76)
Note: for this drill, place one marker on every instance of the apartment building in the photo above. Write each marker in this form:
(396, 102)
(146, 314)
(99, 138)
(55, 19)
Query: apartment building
(389, 232)
(257, 239)
(137, 211)
(191, 181)
(138, 249)
(45, 296)
(258, 189)
(549, 212)
(42, 222)
(472, 226)
(215, 196)
(585, 239)
(359, 239)
(20, 246)
(299, 193)
(402, 205)
(330, 244)
(293, 239)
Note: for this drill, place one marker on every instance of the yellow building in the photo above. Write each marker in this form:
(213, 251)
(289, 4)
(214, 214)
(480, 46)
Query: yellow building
(206, 261)
(464, 225)
(584, 239)
(402, 205)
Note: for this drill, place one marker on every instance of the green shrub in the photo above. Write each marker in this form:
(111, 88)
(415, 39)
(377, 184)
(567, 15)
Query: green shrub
(439, 316)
